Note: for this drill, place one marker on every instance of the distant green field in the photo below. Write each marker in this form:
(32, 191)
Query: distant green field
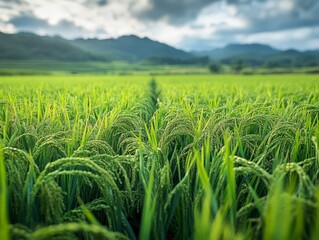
(159, 157)
(51, 67)
(38, 67)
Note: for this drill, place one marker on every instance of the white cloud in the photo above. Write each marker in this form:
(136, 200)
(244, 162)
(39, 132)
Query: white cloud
(8, 28)
(215, 24)
(300, 37)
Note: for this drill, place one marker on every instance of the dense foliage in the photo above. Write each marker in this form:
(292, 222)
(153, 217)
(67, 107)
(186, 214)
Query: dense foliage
(182, 157)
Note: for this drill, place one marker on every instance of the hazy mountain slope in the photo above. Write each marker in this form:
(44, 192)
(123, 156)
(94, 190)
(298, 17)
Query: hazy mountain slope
(131, 48)
(26, 46)
(29, 46)
(234, 50)
(262, 55)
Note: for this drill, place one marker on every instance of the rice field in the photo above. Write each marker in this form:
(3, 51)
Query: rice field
(176, 157)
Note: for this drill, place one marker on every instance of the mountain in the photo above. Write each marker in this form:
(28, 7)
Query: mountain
(131, 48)
(255, 55)
(236, 50)
(291, 57)
(27, 46)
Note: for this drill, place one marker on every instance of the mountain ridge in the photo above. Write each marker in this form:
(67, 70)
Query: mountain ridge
(235, 49)
(26, 46)
(133, 48)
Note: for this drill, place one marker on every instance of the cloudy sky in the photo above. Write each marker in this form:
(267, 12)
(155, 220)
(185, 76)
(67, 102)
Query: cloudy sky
(186, 24)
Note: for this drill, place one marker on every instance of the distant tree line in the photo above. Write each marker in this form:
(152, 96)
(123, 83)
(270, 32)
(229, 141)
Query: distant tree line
(178, 61)
(287, 60)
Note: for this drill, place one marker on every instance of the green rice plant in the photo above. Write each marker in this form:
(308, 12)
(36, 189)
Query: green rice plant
(149, 203)
(179, 157)
(213, 220)
(62, 231)
(281, 206)
(4, 224)
(315, 225)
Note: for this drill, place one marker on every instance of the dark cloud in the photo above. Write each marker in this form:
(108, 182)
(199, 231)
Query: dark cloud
(298, 38)
(26, 23)
(242, 1)
(177, 12)
(304, 13)
(267, 22)
(100, 3)
(266, 17)
(306, 4)
(11, 3)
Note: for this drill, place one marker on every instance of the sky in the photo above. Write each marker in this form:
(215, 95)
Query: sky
(185, 24)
